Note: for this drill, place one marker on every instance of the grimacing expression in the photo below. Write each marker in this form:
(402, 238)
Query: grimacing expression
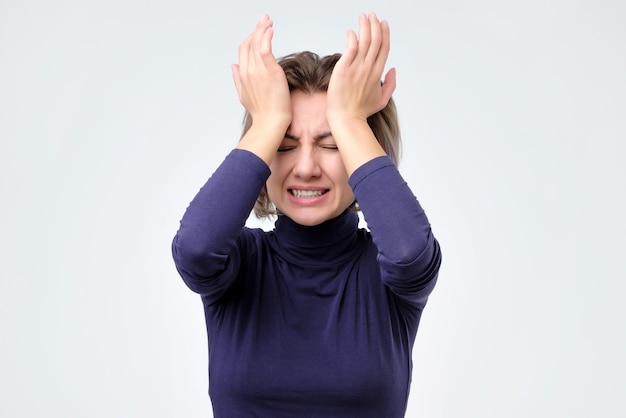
(308, 181)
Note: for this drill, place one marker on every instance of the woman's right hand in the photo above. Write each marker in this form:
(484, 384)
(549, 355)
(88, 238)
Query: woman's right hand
(260, 81)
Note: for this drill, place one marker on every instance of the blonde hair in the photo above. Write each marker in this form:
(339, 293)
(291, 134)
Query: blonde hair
(308, 72)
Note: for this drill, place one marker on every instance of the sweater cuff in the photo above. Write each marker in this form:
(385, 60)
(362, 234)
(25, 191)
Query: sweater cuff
(368, 168)
(248, 162)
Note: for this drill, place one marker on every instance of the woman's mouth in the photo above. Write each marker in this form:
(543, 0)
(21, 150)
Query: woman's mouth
(307, 194)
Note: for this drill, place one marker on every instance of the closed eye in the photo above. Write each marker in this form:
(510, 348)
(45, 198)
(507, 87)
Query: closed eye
(287, 144)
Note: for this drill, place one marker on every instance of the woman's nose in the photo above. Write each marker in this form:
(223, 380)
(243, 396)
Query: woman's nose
(307, 164)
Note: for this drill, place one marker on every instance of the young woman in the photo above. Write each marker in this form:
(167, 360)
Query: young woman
(317, 317)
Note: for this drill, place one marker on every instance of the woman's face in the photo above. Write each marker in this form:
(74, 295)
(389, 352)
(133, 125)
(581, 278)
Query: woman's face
(309, 182)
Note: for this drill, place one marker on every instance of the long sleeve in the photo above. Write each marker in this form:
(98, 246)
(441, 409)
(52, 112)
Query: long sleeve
(408, 253)
(205, 247)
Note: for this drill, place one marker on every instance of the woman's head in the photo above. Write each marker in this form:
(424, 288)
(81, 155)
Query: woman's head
(310, 73)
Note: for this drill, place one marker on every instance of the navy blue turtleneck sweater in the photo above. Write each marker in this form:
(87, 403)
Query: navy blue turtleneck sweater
(308, 321)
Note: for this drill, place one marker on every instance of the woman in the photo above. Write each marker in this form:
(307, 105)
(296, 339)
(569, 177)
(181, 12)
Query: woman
(316, 318)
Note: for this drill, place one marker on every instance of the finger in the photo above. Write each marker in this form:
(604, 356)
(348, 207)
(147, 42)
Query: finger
(385, 41)
(262, 23)
(364, 36)
(266, 47)
(243, 53)
(350, 51)
(375, 38)
(257, 39)
(383, 52)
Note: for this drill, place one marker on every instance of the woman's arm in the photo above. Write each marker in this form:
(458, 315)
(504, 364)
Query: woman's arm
(408, 253)
(205, 247)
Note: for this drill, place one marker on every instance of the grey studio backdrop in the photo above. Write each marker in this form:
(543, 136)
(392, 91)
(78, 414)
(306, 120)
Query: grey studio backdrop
(113, 114)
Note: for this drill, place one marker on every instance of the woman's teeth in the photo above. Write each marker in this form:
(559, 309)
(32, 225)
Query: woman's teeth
(307, 193)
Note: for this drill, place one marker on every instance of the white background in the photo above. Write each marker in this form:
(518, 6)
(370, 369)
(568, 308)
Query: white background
(113, 114)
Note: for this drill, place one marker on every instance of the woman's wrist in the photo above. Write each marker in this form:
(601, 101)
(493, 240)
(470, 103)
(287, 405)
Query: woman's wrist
(263, 138)
(355, 140)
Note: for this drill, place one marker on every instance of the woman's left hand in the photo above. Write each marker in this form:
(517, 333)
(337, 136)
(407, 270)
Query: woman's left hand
(355, 90)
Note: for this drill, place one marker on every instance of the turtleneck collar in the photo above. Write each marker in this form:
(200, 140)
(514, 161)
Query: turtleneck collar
(330, 242)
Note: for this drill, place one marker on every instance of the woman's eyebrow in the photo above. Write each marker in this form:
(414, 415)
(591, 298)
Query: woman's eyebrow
(322, 135)
(316, 137)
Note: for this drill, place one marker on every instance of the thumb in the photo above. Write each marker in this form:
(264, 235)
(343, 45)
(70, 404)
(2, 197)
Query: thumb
(389, 85)
(234, 68)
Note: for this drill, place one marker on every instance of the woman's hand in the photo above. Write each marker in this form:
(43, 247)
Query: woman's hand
(260, 81)
(355, 90)
(263, 90)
